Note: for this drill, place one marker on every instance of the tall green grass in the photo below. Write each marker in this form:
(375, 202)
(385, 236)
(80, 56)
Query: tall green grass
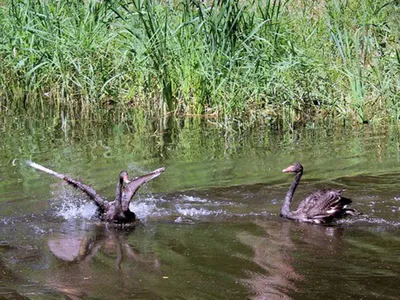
(280, 62)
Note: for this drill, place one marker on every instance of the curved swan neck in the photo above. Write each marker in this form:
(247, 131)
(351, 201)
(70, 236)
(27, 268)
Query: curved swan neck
(285, 210)
(118, 193)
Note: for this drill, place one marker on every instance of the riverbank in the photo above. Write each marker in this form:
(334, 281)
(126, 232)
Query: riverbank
(264, 61)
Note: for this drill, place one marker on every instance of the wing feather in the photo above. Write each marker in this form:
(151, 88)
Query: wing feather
(131, 188)
(326, 203)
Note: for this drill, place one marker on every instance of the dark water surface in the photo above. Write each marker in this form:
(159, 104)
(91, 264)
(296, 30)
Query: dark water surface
(210, 225)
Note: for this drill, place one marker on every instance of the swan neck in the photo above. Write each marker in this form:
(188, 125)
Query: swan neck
(285, 210)
(118, 194)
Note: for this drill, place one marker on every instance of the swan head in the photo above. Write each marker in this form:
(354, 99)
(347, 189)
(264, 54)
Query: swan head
(123, 177)
(295, 168)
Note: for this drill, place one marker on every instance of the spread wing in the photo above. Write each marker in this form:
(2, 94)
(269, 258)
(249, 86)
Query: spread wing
(131, 188)
(88, 190)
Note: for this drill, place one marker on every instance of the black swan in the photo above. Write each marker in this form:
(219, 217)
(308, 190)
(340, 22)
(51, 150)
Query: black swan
(320, 207)
(117, 211)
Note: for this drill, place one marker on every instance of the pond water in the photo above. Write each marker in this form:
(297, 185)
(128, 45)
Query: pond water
(210, 225)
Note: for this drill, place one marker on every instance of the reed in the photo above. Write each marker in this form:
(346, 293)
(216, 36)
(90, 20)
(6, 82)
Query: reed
(270, 61)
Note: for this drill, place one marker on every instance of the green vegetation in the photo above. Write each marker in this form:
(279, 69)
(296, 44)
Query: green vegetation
(269, 61)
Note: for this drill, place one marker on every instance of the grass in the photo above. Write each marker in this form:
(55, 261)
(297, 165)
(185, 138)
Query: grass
(275, 62)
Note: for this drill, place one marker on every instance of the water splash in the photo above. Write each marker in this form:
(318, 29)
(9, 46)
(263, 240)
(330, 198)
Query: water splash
(198, 212)
(38, 230)
(182, 220)
(368, 220)
(187, 198)
(146, 208)
(72, 207)
(182, 208)
(77, 209)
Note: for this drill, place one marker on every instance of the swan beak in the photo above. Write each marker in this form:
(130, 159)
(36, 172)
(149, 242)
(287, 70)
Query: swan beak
(289, 169)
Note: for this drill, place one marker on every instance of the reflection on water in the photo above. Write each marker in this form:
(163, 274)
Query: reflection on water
(272, 252)
(80, 250)
(210, 227)
(275, 251)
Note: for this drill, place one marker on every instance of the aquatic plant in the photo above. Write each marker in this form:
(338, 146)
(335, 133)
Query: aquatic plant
(280, 62)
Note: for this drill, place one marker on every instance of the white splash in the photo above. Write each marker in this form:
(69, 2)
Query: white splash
(369, 220)
(70, 209)
(184, 208)
(145, 210)
(196, 212)
(193, 199)
(183, 220)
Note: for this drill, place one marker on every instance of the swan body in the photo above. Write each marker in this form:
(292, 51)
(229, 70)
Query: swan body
(320, 207)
